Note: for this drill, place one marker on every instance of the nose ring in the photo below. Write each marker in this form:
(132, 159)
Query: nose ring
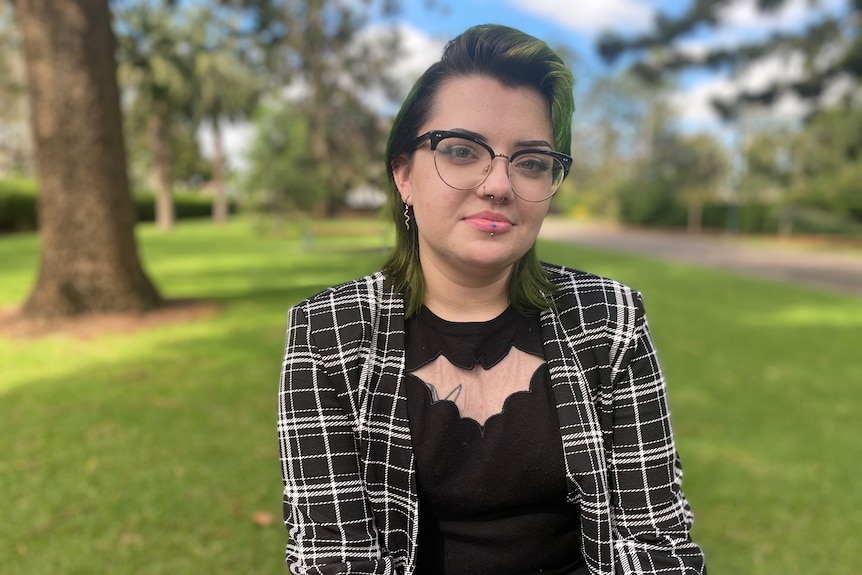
(496, 201)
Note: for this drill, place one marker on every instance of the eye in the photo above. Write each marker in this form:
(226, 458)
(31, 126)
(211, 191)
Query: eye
(533, 165)
(459, 150)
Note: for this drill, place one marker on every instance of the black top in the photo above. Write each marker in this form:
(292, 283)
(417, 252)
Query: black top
(492, 497)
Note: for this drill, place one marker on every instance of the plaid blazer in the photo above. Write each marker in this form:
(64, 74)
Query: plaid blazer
(350, 499)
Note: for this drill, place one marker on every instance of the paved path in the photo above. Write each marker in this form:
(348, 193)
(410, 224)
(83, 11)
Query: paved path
(828, 270)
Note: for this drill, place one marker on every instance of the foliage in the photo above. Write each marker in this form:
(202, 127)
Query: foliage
(156, 72)
(181, 66)
(282, 172)
(680, 174)
(796, 174)
(815, 168)
(15, 138)
(19, 199)
(155, 450)
(827, 161)
(650, 202)
(187, 205)
(830, 47)
(614, 122)
(228, 75)
(321, 50)
(17, 205)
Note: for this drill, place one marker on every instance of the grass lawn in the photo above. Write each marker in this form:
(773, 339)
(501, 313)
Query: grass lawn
(154, 452)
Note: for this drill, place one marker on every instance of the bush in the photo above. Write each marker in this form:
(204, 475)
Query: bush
(749, 219)
(650, 203)
(186, 206)
(18, 206)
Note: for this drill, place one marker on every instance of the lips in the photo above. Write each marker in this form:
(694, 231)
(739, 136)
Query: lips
(489, 222)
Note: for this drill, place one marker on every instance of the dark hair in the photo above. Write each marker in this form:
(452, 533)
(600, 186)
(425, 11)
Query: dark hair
(514, 59)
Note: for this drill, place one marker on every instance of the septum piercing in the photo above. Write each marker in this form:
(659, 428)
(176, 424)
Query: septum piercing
(487, 195)
(496, 201)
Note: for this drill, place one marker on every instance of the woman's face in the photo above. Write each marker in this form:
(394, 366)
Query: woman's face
(466, 232)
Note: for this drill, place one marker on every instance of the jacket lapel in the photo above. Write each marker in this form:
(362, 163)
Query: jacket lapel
(385, 447)
(576, 369)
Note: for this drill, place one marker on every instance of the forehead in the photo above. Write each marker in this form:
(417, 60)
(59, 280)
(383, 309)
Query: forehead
(490, 108)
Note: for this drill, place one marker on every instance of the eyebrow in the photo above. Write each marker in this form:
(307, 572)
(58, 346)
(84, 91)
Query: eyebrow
(518, 144)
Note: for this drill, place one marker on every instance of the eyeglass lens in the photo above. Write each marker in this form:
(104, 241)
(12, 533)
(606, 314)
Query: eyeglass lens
(464, 164)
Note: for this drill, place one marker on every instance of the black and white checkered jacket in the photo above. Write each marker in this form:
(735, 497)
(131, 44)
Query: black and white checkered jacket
(350, 500)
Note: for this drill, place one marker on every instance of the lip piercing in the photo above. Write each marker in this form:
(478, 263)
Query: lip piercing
(493, 225)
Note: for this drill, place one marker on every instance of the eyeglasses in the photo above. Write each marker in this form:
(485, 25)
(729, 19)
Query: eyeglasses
(462, 163)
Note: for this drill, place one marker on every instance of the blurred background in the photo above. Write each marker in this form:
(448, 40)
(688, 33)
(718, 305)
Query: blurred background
(732, 115)
(175, 174)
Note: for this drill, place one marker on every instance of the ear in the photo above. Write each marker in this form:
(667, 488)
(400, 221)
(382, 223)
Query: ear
(402, 171)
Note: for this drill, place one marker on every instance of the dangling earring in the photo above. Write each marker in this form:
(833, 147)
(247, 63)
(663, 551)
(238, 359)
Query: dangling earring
(407, 215)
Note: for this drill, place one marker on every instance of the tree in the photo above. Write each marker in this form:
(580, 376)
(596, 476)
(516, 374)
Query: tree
(156, 69)
(225, 88)
(282, 169)
(317, 47)
(702, 169)
(830, 47)
(616, 124)
(670, 185)
(89, 259)
(827, 162)
(15, 142)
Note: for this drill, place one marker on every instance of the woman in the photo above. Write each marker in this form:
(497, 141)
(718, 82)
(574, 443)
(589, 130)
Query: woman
(469, 409)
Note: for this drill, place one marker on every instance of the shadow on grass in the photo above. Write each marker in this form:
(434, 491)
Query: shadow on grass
(156, 456)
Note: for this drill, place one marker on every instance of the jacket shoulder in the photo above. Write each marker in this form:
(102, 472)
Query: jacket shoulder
(594, 300)
(570, 281)
(346, 315)
(346, 292)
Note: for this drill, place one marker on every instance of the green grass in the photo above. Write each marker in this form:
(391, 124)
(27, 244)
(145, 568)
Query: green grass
(149, 452)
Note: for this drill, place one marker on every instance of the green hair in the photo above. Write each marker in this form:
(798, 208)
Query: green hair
(515, 59)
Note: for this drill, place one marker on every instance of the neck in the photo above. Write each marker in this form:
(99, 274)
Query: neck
(472, 298)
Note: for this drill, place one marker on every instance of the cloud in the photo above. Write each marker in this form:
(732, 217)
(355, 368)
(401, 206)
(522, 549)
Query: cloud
(591, 17)
(417, 51)
(741, 22)
(236, 136)
(693, 104)
(792, 14)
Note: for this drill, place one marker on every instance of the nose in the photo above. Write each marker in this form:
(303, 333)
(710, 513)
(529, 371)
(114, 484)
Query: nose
(497, 183)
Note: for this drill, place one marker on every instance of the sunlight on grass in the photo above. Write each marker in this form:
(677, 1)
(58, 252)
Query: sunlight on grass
(153, 451)
(815, 315)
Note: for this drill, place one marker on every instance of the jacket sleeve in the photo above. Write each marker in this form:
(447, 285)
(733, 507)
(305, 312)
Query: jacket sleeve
(651, 517)
(328, 518)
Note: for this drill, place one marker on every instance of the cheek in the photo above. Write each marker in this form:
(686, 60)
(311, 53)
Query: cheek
(536, 214)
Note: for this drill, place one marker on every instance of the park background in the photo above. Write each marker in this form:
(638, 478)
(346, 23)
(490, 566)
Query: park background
(174, 175)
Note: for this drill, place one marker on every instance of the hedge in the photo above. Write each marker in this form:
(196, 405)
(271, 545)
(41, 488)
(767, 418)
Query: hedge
(18, 200)
(17, 205)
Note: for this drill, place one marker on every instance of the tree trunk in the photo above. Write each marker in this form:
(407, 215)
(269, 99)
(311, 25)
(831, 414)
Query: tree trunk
(319, 118)
(89, 259)
(695, 215)
(786, 215)
(161, 168)
(220, 204)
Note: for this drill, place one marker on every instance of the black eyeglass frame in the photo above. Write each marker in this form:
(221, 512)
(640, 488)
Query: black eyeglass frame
(436, 136)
